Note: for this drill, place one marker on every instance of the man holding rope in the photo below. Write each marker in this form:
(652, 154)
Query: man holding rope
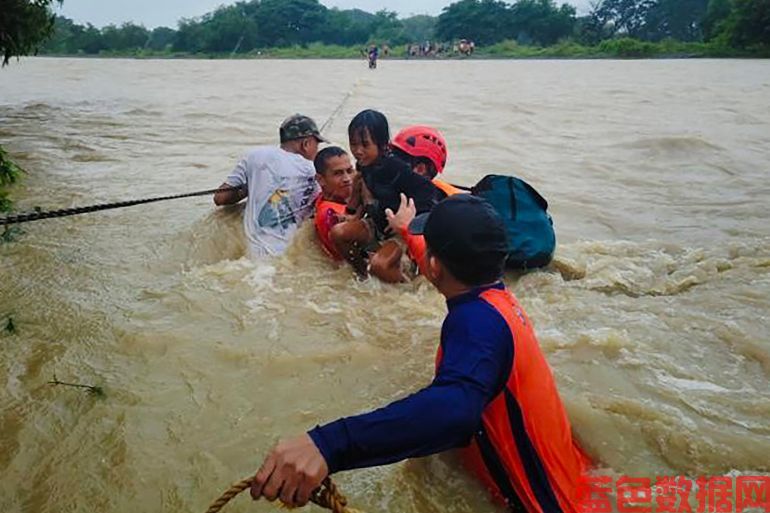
(493, 392)
(279, 184)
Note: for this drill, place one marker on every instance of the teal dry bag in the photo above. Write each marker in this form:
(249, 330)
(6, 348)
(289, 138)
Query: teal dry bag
(531, 239)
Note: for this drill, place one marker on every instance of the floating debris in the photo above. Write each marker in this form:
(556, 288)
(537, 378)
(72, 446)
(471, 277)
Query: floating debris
(10, 327)
(92, 389)
(11, 234)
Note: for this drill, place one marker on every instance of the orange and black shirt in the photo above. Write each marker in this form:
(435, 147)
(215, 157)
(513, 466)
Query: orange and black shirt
(494, 394)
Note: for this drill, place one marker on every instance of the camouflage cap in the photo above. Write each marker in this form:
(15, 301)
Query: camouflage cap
(297, 127)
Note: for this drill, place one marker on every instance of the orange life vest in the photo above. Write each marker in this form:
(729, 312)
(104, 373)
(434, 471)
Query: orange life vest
(447, 188)
(525, 452)
(326, 215)
(416, 243)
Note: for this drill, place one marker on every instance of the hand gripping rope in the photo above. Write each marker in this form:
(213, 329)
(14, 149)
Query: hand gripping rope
(327, 496)
(38, 215)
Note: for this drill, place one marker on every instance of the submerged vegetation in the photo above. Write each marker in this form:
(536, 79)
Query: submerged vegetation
(92, 389)
(10, 327)
(10, 173)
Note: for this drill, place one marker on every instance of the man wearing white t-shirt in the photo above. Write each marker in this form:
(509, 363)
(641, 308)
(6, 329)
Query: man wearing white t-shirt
(279, 184)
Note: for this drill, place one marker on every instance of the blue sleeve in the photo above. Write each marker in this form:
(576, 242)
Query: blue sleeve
(477, 357)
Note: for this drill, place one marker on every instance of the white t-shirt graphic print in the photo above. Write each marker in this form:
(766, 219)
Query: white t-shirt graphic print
(282, 192)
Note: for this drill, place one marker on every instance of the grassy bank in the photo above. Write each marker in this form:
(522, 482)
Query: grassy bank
(625, 48)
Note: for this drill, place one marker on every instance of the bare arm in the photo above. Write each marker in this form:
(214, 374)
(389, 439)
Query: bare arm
(230, 195)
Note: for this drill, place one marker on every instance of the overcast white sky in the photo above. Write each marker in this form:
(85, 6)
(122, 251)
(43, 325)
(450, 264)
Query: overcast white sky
(154, 13)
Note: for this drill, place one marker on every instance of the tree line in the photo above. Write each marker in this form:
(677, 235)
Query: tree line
(247, 26)
(243, 27)
(739, 23)
(258, 24)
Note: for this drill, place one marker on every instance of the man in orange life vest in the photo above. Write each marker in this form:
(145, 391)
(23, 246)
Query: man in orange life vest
(493, 392)
(424, 149)
(335, 174)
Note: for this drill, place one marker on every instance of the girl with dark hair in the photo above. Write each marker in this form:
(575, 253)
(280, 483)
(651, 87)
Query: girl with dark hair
(383, 178)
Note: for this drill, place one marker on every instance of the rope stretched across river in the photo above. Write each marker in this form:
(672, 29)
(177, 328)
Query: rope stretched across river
(38, 215)
(327, 496)
(65, 212)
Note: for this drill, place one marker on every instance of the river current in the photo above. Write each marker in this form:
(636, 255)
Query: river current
(655, 314)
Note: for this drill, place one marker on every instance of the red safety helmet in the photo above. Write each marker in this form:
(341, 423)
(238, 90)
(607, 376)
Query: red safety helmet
(423, 141)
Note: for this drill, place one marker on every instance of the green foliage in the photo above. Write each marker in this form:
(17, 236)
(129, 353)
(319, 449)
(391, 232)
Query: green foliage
(289, 22)
(311, 51)
(624, 48)
(565, 49)
(677, 19)
(127, 36)
(243, 28)
(9, 170)
(741, 24)
(749, 23)
(541, 22)
(627, 18)
(6, 205)
(10, 173)
(488, 22)
(627, 47)
(419, 28)
(71, 38)
(24, 25)
(299, 28)
(483, 21)
(650, 20)
(161, 38)
(387, 27)
(10, 233)
(716, 14)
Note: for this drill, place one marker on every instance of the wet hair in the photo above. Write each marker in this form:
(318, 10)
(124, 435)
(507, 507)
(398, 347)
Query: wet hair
(323, 157)
(376, 124)
(413, 161)
(484, 269)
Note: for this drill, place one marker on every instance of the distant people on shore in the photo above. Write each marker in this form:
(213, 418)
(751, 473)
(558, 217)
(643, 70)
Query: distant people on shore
(466, 47)
(463, 47)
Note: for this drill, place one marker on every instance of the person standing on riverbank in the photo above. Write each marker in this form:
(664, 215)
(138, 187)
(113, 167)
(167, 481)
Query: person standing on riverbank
(279, 186)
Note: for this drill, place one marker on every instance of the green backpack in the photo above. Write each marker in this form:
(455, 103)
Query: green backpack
(531, 238)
